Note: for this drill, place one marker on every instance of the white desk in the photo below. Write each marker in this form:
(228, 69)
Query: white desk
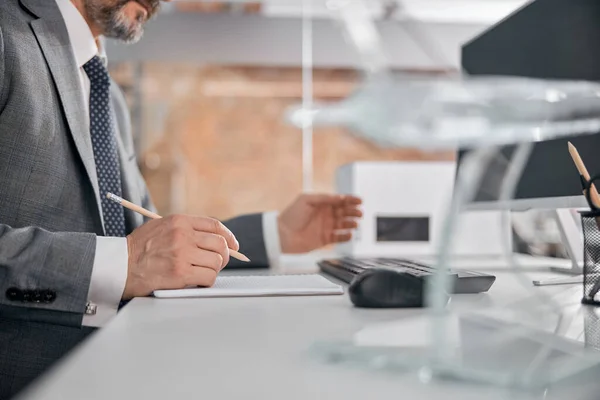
(252, 348)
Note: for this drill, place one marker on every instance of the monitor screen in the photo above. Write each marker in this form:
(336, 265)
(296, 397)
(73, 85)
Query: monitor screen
(549, 173)
(548, 39)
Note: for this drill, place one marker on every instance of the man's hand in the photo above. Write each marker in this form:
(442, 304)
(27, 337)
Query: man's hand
(175, 252)
(314, 221)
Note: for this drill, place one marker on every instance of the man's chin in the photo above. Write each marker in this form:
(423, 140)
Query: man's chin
(126, 30)
(133, 39)
(126, 36)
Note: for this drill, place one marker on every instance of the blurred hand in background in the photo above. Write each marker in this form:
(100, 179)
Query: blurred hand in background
(313, 221)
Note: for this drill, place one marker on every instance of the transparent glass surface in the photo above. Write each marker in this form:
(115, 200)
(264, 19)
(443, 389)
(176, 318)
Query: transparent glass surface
(519, 345)
(468, 112)
(480, 114)
(506, 346)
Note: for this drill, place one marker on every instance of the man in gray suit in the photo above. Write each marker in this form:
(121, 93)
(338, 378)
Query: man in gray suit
(68, 257)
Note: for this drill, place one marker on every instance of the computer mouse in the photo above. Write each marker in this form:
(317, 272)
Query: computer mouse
(386, 288)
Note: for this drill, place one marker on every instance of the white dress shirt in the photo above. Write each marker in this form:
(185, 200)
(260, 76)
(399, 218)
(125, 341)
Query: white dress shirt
(109, 273)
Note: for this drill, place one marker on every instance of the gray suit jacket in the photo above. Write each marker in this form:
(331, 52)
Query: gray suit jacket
(49, 198)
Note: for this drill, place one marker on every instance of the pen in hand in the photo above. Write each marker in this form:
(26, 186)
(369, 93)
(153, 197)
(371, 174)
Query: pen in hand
(147, 213)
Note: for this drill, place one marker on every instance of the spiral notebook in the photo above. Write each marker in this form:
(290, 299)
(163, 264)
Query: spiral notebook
(258, 286)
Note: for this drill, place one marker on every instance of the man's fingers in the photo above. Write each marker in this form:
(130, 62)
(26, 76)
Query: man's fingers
(212, 243)
(331, 199)
(211, 225)
(352, 200)
(346, 212)
(353, 212)
(323, 199)
(341, 237)
(201, 276)
(346, 224)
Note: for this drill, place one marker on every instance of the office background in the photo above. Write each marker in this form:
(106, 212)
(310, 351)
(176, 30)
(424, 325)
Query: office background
(208, 89)
(209, 85)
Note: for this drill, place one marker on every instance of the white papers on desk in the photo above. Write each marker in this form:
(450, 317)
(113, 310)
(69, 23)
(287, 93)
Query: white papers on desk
(258, 286)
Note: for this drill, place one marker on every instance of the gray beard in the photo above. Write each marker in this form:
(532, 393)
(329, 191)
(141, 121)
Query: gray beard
(113, 21)
(123, 29)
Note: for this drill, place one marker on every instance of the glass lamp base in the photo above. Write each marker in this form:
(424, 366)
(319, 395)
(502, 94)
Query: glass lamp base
(481, 350)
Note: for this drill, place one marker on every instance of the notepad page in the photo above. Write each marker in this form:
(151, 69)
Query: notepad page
(252, 286)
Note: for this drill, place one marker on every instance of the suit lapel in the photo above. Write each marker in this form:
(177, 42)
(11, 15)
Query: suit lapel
(52, 35)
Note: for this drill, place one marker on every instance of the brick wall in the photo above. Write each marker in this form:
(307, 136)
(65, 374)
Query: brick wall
(214, 141)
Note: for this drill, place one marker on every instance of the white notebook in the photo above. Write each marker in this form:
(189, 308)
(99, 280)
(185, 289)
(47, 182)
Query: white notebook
(254, 286)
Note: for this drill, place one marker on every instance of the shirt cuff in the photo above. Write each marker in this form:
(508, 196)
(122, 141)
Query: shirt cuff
(271, 237)
(109, 275)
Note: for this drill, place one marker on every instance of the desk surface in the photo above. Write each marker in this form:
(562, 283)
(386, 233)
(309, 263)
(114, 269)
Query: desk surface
(250, 348)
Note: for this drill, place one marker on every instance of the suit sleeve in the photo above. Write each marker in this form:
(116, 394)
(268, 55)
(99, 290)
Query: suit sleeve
(45, 276)
(248, 229)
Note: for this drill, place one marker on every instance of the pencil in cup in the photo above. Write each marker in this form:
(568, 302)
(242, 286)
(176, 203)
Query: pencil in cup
(583, 172)
(594, 197)
(147, 213)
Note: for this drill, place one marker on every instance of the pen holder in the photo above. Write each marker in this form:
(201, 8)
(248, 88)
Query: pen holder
(591, 257)
(590, 222)
(591, 327)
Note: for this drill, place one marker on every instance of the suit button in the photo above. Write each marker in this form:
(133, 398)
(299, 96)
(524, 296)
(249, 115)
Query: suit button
(48, 296)
(14, 294)
(37, 296)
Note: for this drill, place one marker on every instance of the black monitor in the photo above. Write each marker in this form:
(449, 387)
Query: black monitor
(549, 39)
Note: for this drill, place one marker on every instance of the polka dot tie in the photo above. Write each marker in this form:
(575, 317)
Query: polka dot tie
(103, 132)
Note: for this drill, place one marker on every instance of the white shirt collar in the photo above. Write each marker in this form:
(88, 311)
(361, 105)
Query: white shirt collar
(83, 42)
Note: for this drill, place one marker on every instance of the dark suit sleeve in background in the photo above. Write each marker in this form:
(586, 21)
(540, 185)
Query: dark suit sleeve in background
(248, 230)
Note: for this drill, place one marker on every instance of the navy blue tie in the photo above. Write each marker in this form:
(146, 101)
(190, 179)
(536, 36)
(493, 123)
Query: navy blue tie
(104, 143)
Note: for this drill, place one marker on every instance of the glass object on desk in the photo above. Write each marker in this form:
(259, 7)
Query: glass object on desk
(482, 114)
(468, 112)
(486, 346)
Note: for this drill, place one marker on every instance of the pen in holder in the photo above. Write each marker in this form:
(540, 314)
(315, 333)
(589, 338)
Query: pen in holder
(590, 221)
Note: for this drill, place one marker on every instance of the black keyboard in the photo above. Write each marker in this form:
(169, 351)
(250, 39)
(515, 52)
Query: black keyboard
(345, 269)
